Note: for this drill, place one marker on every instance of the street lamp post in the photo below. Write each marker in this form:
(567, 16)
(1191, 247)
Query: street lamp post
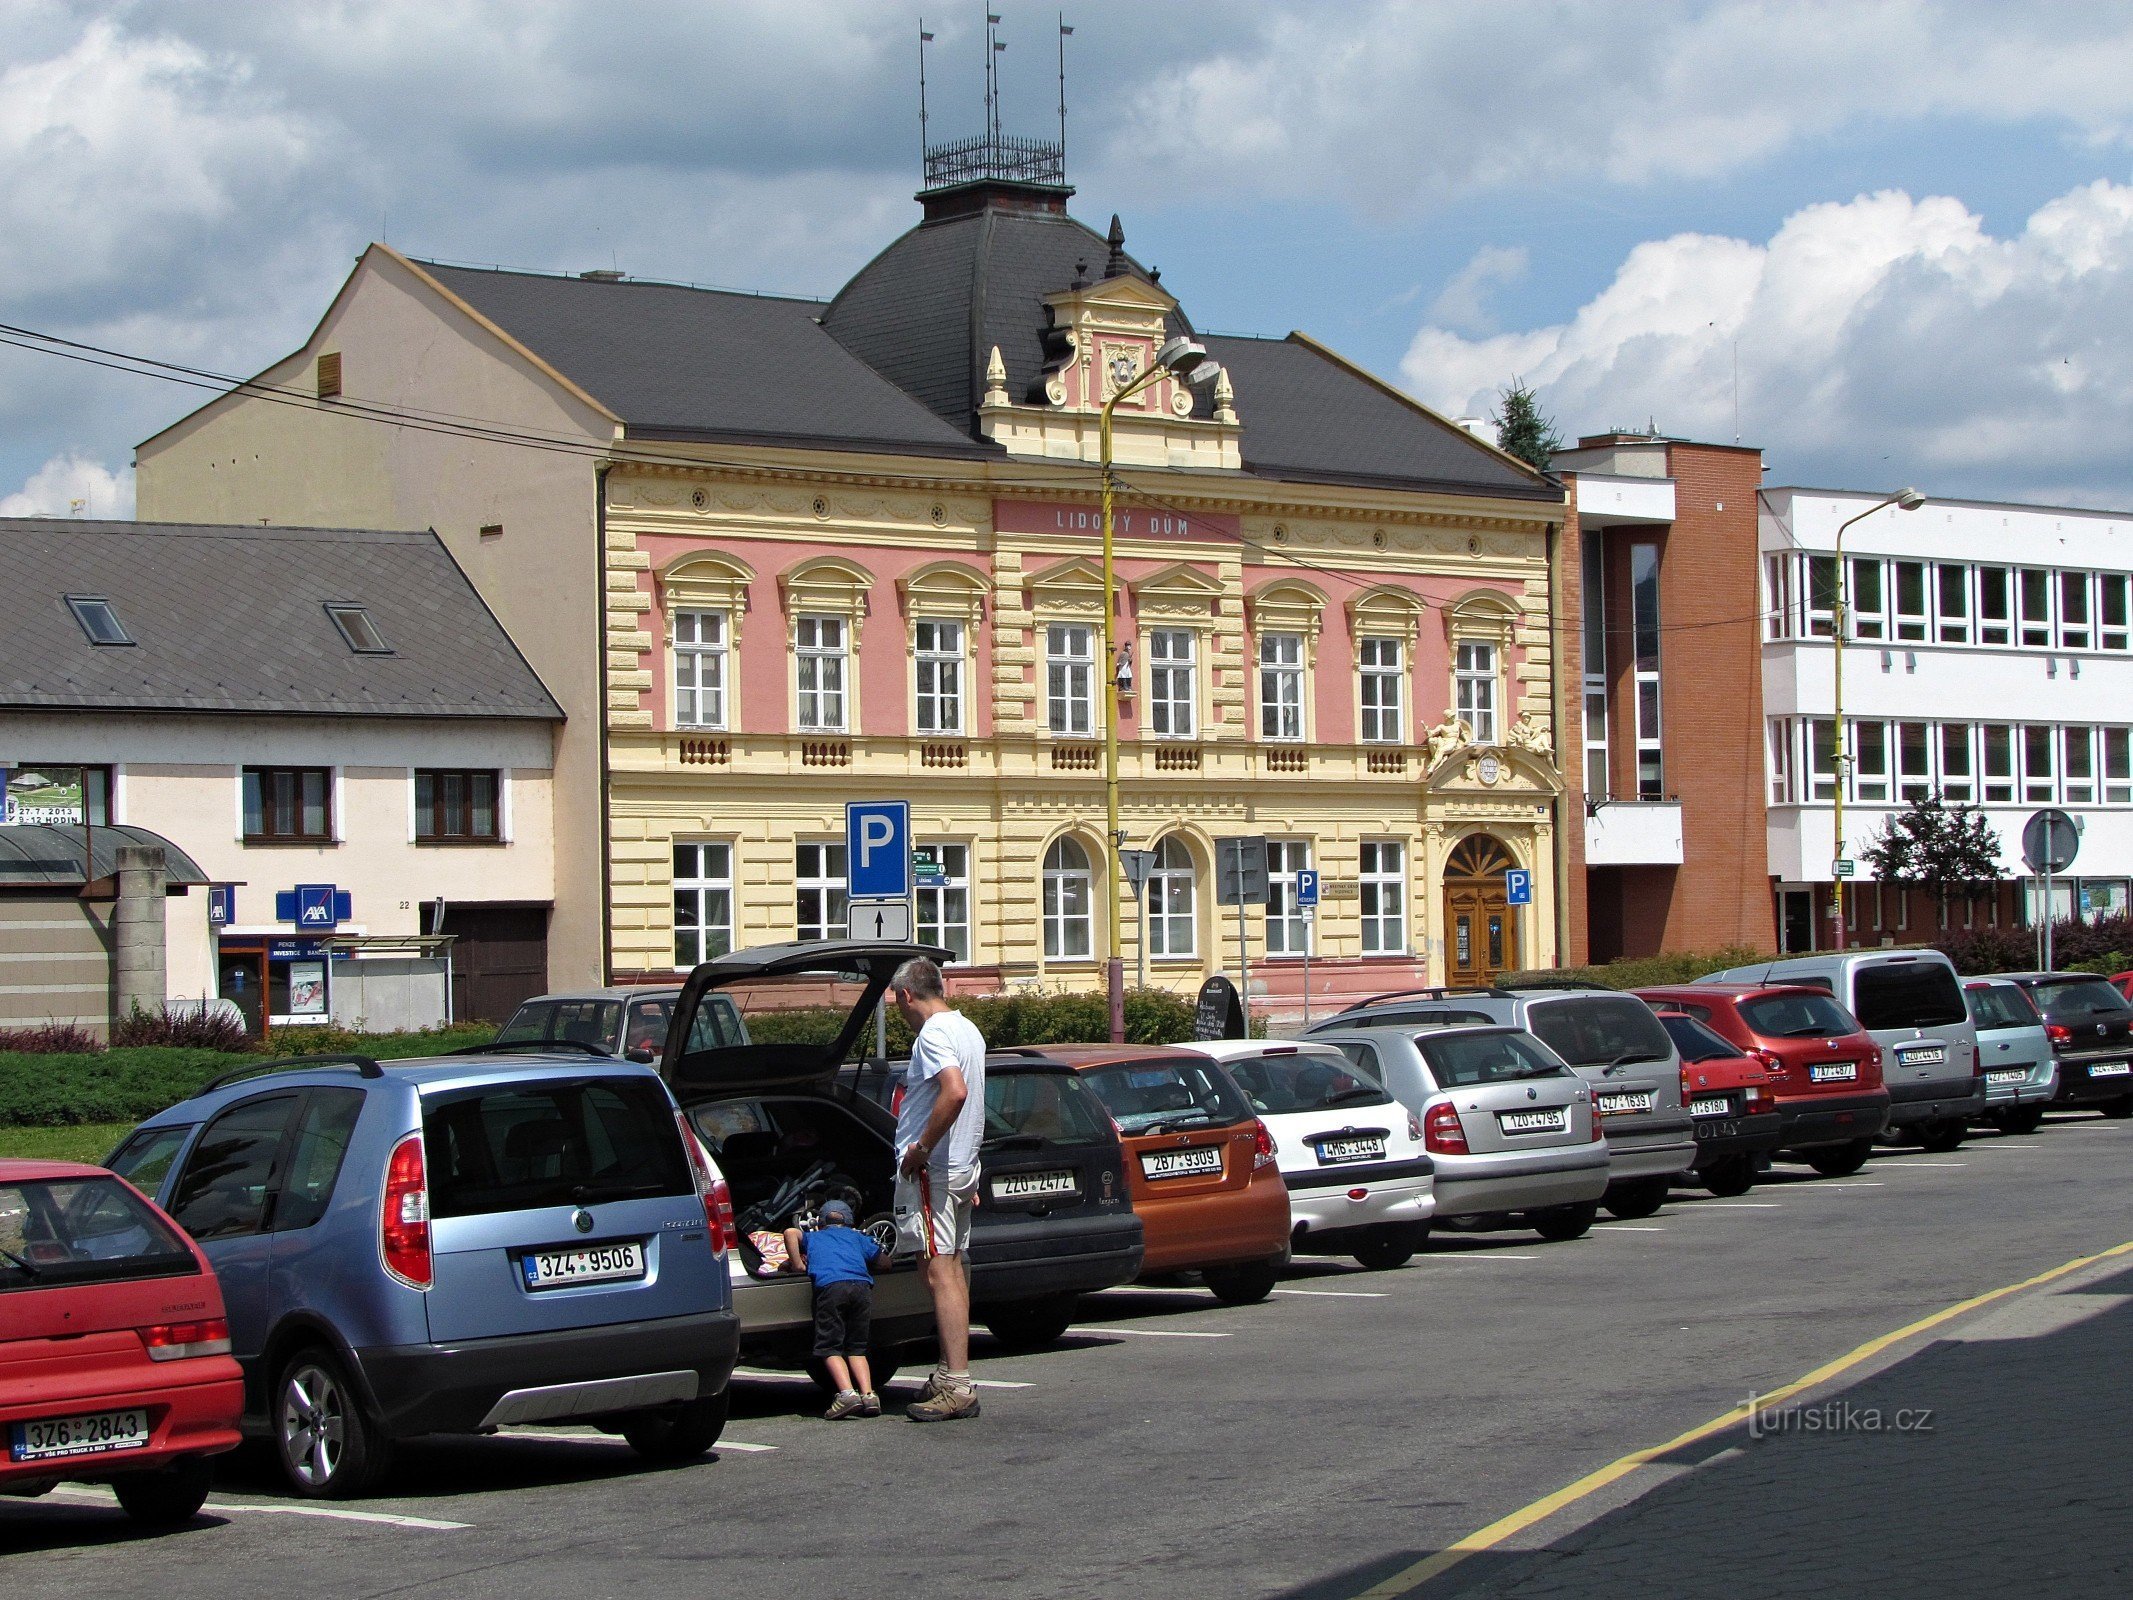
(1186, 360)
(1905, 500)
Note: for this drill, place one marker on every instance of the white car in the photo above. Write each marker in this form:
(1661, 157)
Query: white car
(1360, 1183)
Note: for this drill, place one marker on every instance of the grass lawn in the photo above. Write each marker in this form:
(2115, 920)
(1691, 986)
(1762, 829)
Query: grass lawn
(80, 1141)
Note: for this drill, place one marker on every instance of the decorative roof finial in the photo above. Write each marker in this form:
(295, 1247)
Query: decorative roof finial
(1225, 398)
(1081, 276)
(1116, 238)
(995, 379)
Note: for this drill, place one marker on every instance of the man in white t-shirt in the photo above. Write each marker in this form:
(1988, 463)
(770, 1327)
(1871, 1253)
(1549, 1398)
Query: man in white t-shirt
(939, 1126)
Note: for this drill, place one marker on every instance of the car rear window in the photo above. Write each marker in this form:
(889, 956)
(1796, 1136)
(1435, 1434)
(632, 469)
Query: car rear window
(1282, 1081)
(2000, 1005)
(1037, 1106)
(590, 1022)
(1797, 1016)
(1907, 994)
(525, 1146)
(1694, 1040)
(1168, 1096)
(2062, 999)
(1600, 1030)
(1462, 1060)
(60, 1231)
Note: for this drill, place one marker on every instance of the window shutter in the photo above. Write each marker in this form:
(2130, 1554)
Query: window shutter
(329, 374)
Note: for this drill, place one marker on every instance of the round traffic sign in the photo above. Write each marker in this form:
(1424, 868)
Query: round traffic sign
(2050, 841)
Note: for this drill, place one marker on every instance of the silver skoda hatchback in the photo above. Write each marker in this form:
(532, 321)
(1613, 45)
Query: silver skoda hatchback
(1510, 1127)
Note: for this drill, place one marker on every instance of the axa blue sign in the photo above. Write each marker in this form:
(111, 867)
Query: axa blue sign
(314, 906)
(221, 904)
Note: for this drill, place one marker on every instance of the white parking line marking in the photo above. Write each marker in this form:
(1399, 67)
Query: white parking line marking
(1821, 1186)
(750, 1449)
(1908, 1164)
(1338, 1294)
(1996, 1145)
(90, 1496)
(1478, 1255)
(1739, 1205)
(975, 1383)
(1625, 1227)
(1145, 1333)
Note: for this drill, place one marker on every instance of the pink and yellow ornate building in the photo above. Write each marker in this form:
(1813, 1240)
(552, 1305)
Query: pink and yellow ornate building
(774, 555)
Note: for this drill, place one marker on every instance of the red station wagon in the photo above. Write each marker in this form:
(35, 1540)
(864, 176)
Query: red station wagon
(1825, 1070)
(115, 1359)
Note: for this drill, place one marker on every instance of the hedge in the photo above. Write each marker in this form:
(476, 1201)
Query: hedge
(1153, 1016)
(1646, 972)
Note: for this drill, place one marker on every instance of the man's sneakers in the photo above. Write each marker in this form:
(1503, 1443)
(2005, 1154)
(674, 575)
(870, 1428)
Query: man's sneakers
(849, 1403)
(944, 1400)
(870, 1404)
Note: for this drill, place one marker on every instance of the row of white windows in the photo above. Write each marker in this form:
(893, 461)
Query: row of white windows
(822, 675)
(1949, 602)
(1994, 763)
(704, 899)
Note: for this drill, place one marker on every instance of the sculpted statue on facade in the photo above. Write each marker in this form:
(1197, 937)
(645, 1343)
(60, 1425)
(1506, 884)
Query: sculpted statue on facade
(1450, 735)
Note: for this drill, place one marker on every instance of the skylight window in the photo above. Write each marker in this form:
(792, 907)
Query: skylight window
(97, 619)
(360, 632)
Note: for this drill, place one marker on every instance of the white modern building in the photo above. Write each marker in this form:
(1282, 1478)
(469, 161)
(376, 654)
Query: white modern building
(1989, 659)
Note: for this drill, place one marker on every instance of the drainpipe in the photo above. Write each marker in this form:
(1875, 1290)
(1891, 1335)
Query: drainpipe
(607, 832)
(1563, 886)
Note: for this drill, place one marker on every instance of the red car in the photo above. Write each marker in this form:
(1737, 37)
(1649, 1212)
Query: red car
(115, 1359)
(1727, 1091)
(1825, 1070)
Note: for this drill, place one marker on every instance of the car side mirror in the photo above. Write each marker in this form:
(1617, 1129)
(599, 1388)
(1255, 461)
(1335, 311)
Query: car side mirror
(643, 1052)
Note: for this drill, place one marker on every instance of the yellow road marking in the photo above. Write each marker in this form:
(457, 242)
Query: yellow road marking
(1411, 1578)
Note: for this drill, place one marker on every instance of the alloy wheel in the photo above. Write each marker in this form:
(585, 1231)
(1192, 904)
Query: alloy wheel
(314, 1425)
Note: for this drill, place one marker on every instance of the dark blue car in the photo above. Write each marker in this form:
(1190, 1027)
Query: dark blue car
(453, 1246)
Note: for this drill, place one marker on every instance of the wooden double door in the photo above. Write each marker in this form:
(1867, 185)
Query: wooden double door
(1480, 923)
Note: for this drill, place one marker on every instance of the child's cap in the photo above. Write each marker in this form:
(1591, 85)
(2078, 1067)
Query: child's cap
(838, 1212)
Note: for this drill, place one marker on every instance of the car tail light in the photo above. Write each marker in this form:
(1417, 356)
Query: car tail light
(1262, 1146)
(1757, 1098)
(1769, 1060)
(181, 1341)
(404, 1219)
(2058, 1033)
(1441, 1131)
(1414, 1127)
(710, 1188)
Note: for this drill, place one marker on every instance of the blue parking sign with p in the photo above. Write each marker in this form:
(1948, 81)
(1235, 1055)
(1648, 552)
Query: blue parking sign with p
(877, 842)
(1306, 888)
(1518, 886)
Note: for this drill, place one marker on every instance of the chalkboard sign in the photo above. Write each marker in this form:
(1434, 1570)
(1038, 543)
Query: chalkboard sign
(1221, 1011)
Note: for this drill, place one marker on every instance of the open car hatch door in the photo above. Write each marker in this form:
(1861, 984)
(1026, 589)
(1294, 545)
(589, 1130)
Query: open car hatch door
(702, 1060)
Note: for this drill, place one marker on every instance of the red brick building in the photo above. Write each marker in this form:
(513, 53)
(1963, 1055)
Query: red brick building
(1660, 606)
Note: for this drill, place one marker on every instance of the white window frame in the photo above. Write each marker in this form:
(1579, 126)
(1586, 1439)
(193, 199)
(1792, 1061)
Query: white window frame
(1069, 929)
(1871, 762)
(2075, 596)
(819, 868)
(1994, 626)
(1289, 928)
(702, 653)
(938, 646)
(1955, 753)
(1914, 778)
(1070, 680)
(1951, 627)
(941, 906)
(1173, 667)
(1173, 896)
(2033, 629)
(1997, 783)
(1381, 889)
(707, 885)
(1281, 688)
(1869, 617)
(2114, 634)
(2040, 779)
(2077, 765)
(1911, 616)
(1381, 673)
(822, 662)
(2117, 765)
(1475, 687)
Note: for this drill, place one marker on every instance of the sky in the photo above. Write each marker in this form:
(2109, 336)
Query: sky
(1888, 243)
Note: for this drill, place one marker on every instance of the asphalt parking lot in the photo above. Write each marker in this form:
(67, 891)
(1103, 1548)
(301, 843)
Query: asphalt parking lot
(1336, 1440)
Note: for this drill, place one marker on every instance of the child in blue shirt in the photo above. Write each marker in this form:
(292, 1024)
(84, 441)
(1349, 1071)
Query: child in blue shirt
(840, 1261)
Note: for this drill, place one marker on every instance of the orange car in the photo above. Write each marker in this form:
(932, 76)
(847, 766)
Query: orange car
(1200, 1165)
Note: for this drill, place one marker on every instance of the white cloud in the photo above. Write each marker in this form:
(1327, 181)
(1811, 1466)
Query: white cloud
(1881, 339)
(72, 486)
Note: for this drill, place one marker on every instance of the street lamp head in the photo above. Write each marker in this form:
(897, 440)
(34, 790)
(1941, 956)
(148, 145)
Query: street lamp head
(1909, 500)
(1203, 374)
(1179, 353)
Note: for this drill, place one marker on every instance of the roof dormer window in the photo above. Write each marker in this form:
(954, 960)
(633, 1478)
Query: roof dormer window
(98, 620)
(360, 632)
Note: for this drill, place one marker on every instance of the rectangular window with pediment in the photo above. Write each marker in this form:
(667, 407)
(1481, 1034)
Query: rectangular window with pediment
(820, 661)
(1172, 657)
(700, 669)
(938, 647)
(1070, 679)
(1381, 664)
(1281, 686)
(1475, 677)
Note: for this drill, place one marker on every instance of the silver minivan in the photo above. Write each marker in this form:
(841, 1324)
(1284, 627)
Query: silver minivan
(1911, 1002)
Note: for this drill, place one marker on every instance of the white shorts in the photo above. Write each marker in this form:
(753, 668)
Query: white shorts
(954, 1196)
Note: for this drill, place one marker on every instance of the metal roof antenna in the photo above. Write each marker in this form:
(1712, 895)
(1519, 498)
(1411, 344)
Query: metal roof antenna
(992, 59)
(924, 39)
(1065, 33)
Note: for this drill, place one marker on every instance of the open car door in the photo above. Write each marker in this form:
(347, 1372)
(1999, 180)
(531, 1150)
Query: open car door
(702, 1059)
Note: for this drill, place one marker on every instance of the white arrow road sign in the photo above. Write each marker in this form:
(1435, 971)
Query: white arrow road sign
(879, 919)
